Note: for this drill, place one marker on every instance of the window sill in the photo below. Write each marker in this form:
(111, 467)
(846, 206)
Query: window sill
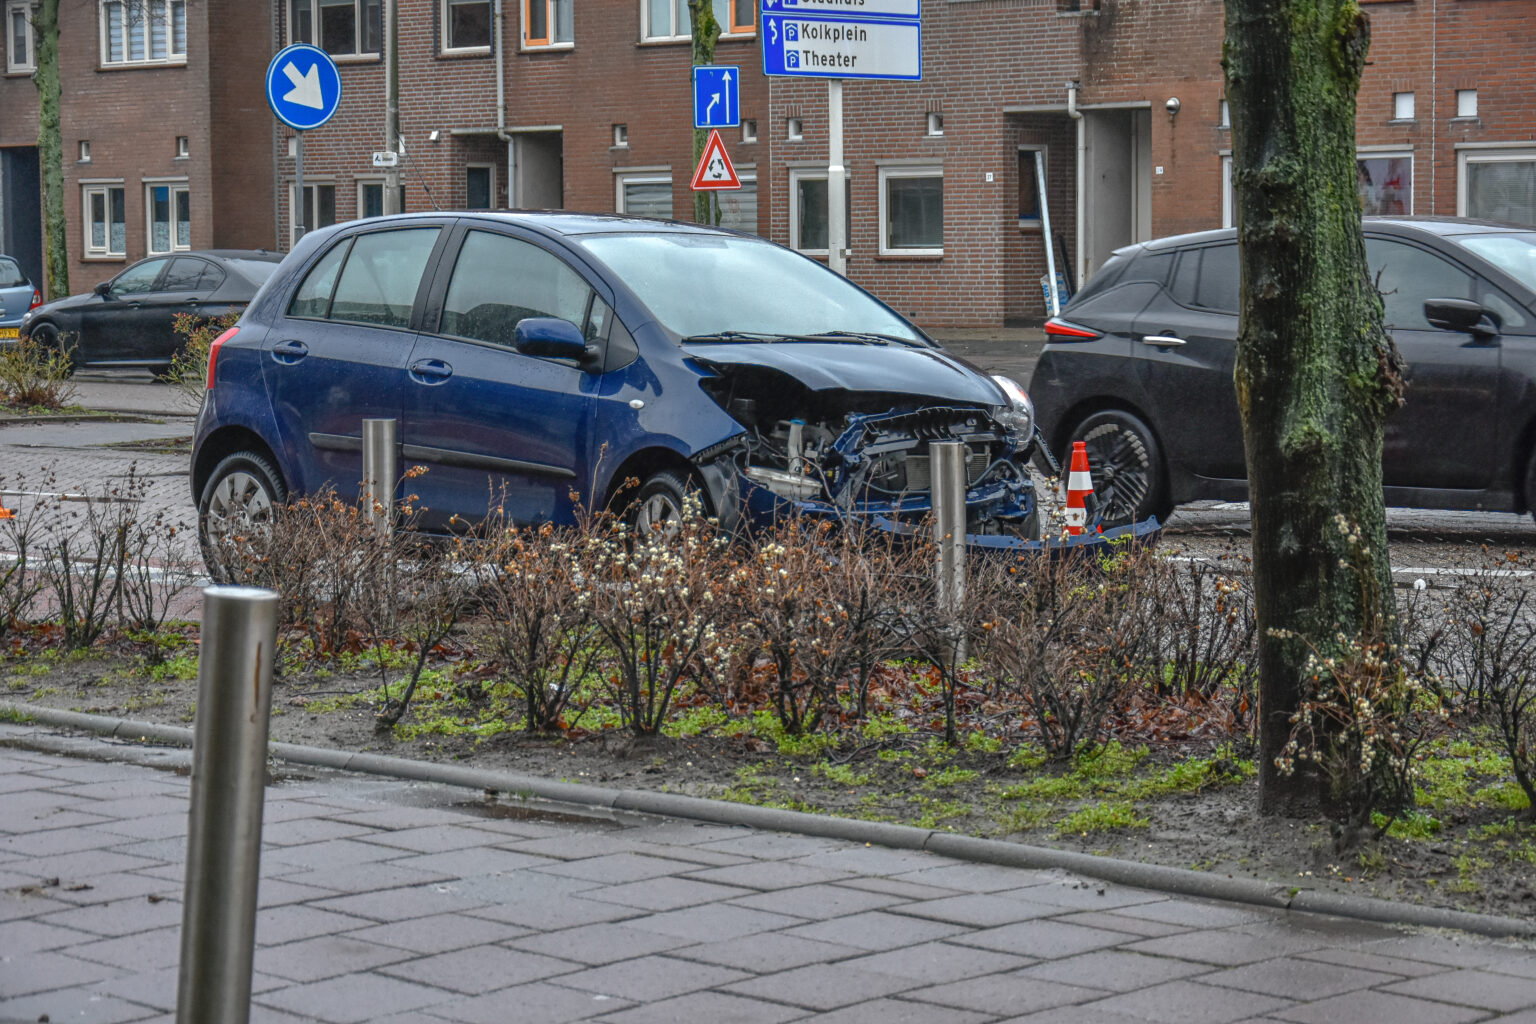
(104, 258)
(356, 58)
(666, 41)
(1029, 224)
(463, 52)
(922, 255)
(548, 47)
(20, 72)
(739, 36)
(1405, 122)
(143, 65)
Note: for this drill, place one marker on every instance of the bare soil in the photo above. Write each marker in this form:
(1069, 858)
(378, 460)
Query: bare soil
(1482, 858)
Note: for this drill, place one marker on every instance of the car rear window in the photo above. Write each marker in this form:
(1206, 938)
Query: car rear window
(255, 271)
(11, 275)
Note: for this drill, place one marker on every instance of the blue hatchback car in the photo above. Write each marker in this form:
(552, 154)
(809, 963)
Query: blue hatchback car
(539, 356)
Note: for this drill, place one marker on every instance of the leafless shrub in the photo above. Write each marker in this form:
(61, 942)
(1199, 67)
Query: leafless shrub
(35, 376)
(85, 559)
(430, 591)
(20, 577)
(159, 567)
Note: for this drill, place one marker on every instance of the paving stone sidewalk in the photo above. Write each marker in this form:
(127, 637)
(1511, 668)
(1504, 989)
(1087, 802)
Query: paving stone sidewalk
(402, 903)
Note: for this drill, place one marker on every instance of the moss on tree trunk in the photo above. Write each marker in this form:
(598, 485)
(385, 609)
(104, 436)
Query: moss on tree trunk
(1316, 373)
(50, 153)
(706, 32)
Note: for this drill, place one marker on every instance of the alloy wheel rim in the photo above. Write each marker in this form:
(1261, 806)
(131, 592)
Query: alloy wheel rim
(1121, 469)
(658, 514)
(240, 501)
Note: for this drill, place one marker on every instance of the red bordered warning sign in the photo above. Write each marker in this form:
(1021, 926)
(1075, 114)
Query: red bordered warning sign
(715, 170)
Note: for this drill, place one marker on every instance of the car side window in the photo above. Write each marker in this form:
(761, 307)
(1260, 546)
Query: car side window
(138, 279)
(1505, 312)
(185, 275)
(1218, 285)
(1186, 276)
(499, 280)
(382, 274)
(1407, 276)
(314, 296)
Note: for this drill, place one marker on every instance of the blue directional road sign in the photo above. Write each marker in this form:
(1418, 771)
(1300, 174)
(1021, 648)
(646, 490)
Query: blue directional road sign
(825, 39)
(716, 96)
(303, 86)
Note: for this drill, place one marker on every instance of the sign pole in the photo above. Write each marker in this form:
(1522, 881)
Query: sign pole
(837, 176)
(298, 184)
(1053, 297)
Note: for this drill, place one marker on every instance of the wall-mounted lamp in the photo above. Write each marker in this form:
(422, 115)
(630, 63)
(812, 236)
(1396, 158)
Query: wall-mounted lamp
(1172, 105)
(434, 135)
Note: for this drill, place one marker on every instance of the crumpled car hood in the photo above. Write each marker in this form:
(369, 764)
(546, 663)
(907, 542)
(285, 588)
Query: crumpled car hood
(893, 369)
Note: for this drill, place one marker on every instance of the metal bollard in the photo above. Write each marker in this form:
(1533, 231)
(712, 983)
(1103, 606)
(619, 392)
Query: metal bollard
(380, 471)
(947, 462)
(229, 771)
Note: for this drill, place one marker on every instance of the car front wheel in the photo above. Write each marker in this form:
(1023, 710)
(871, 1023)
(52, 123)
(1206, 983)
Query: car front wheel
(237, 506)
(1126, 465)
(660, 504)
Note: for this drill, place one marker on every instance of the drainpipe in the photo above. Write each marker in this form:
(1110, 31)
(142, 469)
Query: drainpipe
(501, 105)
(1082, 179)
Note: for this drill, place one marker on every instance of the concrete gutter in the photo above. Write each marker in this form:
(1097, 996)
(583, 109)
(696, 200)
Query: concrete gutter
(1174, 881)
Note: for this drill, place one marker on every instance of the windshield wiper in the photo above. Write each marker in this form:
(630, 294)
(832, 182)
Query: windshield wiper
(868, 337)
(736, 336)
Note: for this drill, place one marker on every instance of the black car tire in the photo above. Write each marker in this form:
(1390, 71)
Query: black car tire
(1530, 484)
(659, 503)
(1129, 483)
(244, 488)
(47, 336)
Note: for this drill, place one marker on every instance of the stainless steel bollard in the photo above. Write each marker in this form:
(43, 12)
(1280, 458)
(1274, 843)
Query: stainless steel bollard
(380, 471)
(229, 771)
(947, 462)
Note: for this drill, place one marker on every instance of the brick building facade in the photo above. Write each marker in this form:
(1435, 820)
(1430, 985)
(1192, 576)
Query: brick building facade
(1121, 100)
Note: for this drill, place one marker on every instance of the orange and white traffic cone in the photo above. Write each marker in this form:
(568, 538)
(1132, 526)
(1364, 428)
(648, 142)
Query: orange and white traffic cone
(6, 513)
(1079, 486)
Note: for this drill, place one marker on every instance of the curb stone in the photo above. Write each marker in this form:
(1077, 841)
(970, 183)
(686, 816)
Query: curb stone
(1156, 877)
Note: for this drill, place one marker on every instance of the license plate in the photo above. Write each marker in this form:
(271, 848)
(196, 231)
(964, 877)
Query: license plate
(9, 332)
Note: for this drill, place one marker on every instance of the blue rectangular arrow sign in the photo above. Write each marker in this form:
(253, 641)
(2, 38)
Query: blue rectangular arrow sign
(716, 96)
(818, 46)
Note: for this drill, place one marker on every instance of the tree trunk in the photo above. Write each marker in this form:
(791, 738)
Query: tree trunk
(706, 32)
(1316, 373)
(50, 148)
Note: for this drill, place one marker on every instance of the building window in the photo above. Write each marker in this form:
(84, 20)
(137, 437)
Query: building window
(738, 207)
(911, 211)
(345, 27)
(169, 212)
(85, 151)
(808, 218)
(644, 195)
(1466, 102)
(794, 130)
(1224, 115)
(1386, 183)
(143, 32)
(106, 220)
(665, 20)
(19, 44)
(749, 129)
(1497, 185)
(735, 16)
(1402, 106)
(1029, 185)
(620, 136)
(549, 23)
(370, 199)
(935, 124)
(466, 25)
(480, 187)
(319, 209)
(183, 147)
(1228, 209)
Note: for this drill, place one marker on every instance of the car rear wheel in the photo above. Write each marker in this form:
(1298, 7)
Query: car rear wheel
(47, 336)
(1530, 485)
(1126, 465)
(237, 506)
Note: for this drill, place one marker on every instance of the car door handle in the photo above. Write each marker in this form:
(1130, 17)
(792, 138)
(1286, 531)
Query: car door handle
(431, 371)
(289, 351)
(1163, 340)
(135, 305)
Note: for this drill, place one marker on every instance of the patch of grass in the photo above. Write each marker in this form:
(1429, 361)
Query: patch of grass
(696, 722)
(951, 776)
(935, 812)
(340, 702)
(181, 666)
(441, 723)
(1025, 817)
(842, 774)
(1412, 825)
(978, 742)
(1467, 867)
(1373, 861)
(1101, 817)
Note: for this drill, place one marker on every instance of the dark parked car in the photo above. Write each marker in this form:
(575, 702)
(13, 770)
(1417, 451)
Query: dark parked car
(127, 321)
(561, 354)
(17, 295)
(1139, 365)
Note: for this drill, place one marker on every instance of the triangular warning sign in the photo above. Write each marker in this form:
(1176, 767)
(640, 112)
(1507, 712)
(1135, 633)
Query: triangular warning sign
(715, 170)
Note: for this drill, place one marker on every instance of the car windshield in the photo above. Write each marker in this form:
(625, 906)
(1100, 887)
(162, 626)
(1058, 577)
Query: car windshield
(1514, 253)
(703, 285)
(10, 274)
(253, 270)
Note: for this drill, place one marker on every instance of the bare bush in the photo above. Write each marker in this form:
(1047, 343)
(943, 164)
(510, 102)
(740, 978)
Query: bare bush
(430, 591)
(35, 376)
(21, 579)
(160, 566)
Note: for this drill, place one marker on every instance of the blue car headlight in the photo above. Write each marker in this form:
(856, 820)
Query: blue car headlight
(1018, 417)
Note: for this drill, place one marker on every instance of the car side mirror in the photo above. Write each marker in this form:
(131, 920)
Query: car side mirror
(549, 337)
(102, 287)
(1462, 316)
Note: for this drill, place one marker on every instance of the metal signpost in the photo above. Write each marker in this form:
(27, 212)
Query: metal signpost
(881, 39)
(716, 96)
(304, 92)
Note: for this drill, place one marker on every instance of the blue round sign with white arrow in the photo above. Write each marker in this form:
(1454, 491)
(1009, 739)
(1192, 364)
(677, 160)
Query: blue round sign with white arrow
(303, 86)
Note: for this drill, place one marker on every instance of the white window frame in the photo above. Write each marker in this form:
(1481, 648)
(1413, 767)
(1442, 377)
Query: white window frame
(646, 35)
(105, 190)
(492, 169)
(552, 20)
(1368, 153)
(796, 176)
(293, 206)
(443, 22)
(359, 9)
(748, 130)
(1400, 101)
(1493, 154)
(1466, 104)
(935, 125)
(136, 16)
(12, 65)
(904, 171)
(83, 152)
(794, 129)
(183, 147)
(367, 182)
(636, 176)
(1228, 201)
(175, 185)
